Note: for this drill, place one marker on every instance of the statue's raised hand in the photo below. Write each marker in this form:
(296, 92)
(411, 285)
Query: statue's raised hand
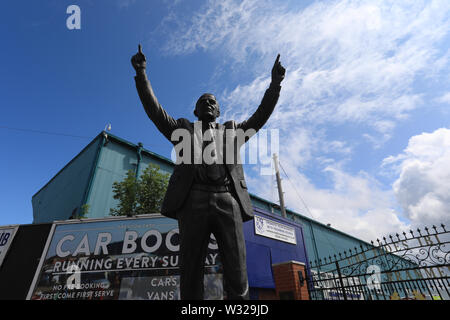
(138, 61)
(278, 71)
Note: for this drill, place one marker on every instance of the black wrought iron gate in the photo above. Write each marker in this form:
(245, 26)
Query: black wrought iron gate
(414, 265)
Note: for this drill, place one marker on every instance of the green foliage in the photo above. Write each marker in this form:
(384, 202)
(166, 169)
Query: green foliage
(84, 211)
(140, 196)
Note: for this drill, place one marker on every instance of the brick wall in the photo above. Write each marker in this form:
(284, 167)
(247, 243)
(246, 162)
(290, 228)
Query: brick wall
(287, 284)
(267, 294)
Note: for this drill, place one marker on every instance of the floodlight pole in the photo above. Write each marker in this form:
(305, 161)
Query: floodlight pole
(280, 190)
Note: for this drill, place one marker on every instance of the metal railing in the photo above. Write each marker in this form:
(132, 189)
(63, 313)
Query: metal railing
(414, 265)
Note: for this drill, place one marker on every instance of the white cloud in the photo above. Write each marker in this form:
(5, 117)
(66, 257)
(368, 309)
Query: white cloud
(346, 60)
(355, 204)
(423, 186)
(349, 64)
(445, 98)
(123, 4)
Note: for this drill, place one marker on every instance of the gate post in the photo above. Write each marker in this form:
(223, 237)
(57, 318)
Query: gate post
(290, 280)
(340, 280)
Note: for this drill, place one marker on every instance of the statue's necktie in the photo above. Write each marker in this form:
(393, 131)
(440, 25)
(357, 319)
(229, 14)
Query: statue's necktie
(212, 170)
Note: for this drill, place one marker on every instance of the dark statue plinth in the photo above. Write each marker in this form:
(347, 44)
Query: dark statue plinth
(208, 196)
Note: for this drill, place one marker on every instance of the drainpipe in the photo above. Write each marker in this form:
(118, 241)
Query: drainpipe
(87, 194)
(139, 157)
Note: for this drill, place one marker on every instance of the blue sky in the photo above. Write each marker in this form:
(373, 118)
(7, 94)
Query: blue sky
(363, 116)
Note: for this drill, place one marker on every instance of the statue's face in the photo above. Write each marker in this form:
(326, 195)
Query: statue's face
(207, 108)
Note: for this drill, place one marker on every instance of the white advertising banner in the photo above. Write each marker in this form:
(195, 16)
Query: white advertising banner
(118, 258)
(274, 230)
(6, 238)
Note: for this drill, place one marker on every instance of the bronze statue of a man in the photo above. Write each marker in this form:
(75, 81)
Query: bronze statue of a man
(209, 197)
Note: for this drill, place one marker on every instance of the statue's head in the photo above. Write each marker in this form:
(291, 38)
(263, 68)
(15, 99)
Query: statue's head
(207, 108)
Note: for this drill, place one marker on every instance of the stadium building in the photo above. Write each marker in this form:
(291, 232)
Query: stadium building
(136, 257)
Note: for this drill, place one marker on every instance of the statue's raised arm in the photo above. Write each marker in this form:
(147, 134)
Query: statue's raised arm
(278, 71)
(163, 121)
(265, 109)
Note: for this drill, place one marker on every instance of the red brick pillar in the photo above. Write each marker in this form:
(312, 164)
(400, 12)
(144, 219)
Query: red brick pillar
(287, 284)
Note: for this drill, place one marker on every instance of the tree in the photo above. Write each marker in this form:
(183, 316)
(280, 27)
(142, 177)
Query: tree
(140, 196)
(84, 211)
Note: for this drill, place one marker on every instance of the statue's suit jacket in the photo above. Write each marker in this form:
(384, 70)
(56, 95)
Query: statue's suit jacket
(183, 175)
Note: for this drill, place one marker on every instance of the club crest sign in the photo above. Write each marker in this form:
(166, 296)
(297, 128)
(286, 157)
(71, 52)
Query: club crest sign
(274, 230)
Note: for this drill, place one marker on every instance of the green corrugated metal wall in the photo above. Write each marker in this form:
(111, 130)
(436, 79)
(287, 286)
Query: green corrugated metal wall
(116, 158)
(65, 192)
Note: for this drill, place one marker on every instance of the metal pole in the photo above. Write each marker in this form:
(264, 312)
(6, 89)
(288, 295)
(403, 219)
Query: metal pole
(280, 190)
(341, 280)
